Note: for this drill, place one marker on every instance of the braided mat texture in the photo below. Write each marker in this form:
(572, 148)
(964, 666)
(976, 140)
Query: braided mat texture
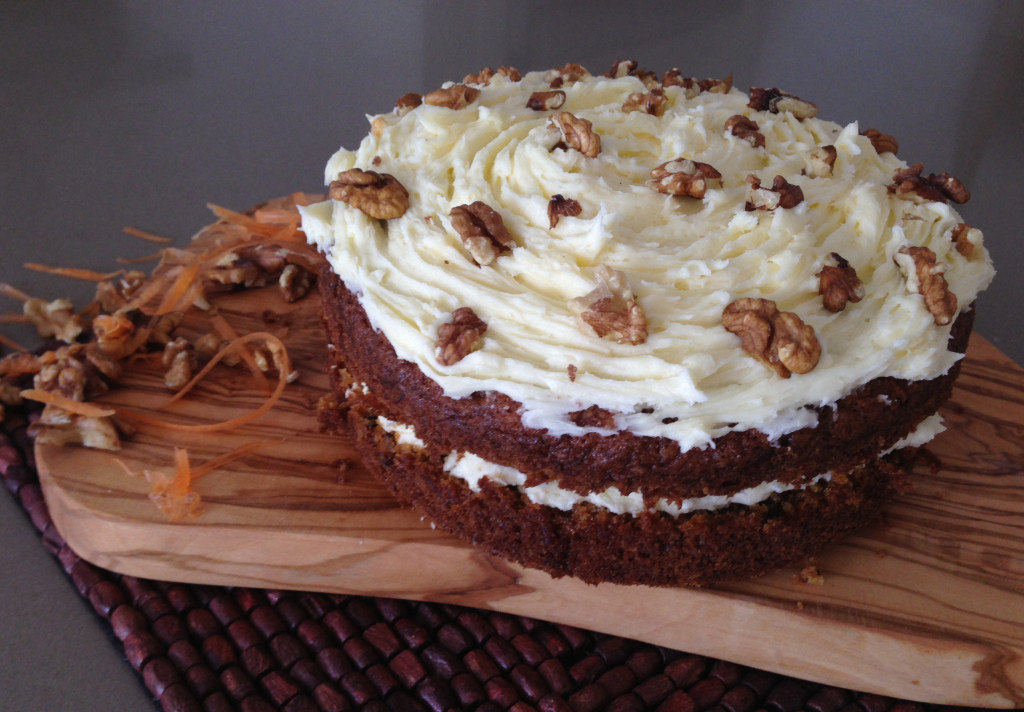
(219, 648)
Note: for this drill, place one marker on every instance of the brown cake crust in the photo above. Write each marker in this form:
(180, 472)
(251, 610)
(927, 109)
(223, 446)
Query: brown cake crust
(651, 548)
(488, 424)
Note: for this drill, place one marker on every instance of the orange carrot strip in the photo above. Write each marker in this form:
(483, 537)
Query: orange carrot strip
(13, 292)
(11, 343)
(148, 236)
(14, 319)
(242, 219)
(226, 332)
(86, 274)
(147, 292)
(87, 410)
(179, 289)
(137, 260)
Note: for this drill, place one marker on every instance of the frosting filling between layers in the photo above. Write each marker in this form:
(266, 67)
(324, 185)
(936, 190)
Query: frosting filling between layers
(685, 259)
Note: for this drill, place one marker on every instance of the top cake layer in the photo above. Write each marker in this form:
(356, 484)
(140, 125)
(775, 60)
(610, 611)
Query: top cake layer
(673, 199)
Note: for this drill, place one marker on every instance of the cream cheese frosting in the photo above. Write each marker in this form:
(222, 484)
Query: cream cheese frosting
(685, 259)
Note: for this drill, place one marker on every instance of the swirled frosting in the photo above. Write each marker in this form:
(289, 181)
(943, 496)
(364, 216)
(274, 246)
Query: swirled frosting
(685, 258)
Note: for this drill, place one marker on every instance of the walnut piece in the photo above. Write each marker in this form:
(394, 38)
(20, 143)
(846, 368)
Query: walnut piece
(653, 102)
(610, 309)
(55, 319)
(780, 340)
(456, 339)
(577, 133)
(482, 230)
(570, 73)
(839, 284)
(113, 294)
(777, 102)
(820, 161)
(295, 282)
(180, 361)
(693, 86)
(966, 238)
(485, 75)
(883, 143)
(559, 205)
(782, 194)
(407, 102)
(924, 276)
(457, 96)
(684, 177)
(939, 188)
(379, 195)
(622, 68)
(546, 100)
(746, 129)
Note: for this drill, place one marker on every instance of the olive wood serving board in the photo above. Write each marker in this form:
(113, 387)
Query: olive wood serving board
(926, 605)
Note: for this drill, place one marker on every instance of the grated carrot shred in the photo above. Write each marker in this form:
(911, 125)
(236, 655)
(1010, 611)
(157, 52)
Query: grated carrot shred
(12, 344)
(87, 410)
(227, 332)
(75, 272)
(138, 260)
(13, 292)
(242, 219)
(148, 236)
(180, 289)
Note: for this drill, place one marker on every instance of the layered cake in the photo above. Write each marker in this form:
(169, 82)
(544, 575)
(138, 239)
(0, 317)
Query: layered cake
(637, 328)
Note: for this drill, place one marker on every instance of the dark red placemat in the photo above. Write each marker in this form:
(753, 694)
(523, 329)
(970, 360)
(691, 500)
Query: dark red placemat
(223, 648)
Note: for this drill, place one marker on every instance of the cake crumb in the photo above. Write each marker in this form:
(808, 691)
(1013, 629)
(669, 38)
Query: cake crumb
(810, 574)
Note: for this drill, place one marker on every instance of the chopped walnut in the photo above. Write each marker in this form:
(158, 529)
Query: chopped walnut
(820, 161)
(10, 393)
(113, 294)
(179, 359)
(966, 238)
(407, 102)
(55, 319)
(64, 429)
(653, 102)
(939, 188)
(295, 282)
(746, 129)
(778, 102)
(568, 73)
(114, 335)
(883, 143)
(684, 177)
(162, 329)
(782, 194)
(693, 86)
(924, 276)
(622, 68)
(577, 133)
(780, 340)
(839, 284)
(610, 309)
(457, 338)
(485, 75)
(546, 100)
(559, 205)
(457, 96)
(811, 575)
(482, 230)
(379, 195)
(379, 125)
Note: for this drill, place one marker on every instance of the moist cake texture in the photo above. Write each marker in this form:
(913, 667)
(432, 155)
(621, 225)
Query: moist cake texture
(636, 328)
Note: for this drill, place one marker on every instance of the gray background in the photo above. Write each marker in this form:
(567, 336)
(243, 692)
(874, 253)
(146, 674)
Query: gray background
(117, 113)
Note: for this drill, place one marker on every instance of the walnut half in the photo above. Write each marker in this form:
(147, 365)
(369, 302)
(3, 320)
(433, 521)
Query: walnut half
(782, 194)
(456, 339)
(379, 195)
(780, 340)
(482, 230)
(684, 177)
(839, 284)
(610, 309)
(924, 276)
(577, 133)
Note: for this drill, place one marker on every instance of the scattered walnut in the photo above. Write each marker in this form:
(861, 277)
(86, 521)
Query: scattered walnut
(379, 195)
(883, 143)
(456, 339)
(924, 276)
(485, 75)
(610, 309)
(839, 284)
(577, 133)
(64, 429)
(457, 96)
(777, 102)
(780, 340)
(819, 162)
(693, 86)
(653, 102)
(115, 335)
(179, 360)
(622, 68)
(782, 194)
(295, 282)
(940, 188)
(161, 330)
(55, 319)
(967, 238)
(684, 177)
(113, 294)
(746, 129)
(407, 102)
(482, 230)
(546, 100)
(567, 73)
(559, 205)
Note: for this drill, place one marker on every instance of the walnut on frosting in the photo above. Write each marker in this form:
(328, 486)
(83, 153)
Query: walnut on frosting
(457, 96)
(546, 100)
(883, 143)
(937, 187)
(966, 238)
(924, 276)
(379, 195)
(745, 128)
(611, 309)
(692, 86)
(782, 194)
(482, 230)
(653, 102)
(485, 75)
(568, 73)
(685, 177)
(576, 133)
(820, 161)
(780, 340)
(457, 338)
(838, 284)
(778, 102)
(407, 102)
(559, 205)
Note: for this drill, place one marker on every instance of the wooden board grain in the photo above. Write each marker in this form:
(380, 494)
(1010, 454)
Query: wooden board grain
(927, 605)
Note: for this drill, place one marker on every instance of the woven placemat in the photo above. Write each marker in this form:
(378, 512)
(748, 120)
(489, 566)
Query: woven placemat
(224, 648)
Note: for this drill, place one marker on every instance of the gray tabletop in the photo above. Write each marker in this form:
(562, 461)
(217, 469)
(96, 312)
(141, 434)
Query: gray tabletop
(116, 113)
